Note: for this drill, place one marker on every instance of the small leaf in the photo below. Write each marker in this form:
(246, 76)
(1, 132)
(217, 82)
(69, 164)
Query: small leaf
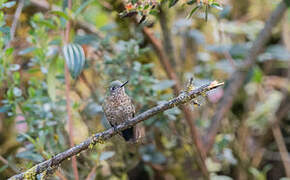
(4, 108)
(51, 79)
(14, 67)
(17, 92)
(154, 12)
(257, 75)
(9, 51)
(192, 11)
(106, 155)
(2, 168)
(29, 138)
(8, 4)
(30, 156)
(75, 59)
(163, 85)
(172, 3)
(82, 7)
(61, 14)
(190, 2)
(217, 6)
(134, 1)
(26, 51)
(47, 23)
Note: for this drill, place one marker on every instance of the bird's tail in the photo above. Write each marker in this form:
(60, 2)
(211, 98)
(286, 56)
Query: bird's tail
(134, 134)
(128, 134)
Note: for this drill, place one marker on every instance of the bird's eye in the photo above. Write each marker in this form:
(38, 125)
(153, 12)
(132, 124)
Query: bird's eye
(113, 88)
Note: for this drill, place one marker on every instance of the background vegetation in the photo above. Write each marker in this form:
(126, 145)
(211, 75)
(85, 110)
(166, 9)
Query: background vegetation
(158, 46)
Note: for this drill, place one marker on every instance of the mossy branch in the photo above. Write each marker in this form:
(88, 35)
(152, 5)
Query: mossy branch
(55, 161)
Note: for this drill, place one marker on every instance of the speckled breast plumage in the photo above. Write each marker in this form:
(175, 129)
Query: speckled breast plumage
(118, 108)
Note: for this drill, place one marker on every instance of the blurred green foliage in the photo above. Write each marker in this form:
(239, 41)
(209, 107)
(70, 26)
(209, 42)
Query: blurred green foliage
(33, 117)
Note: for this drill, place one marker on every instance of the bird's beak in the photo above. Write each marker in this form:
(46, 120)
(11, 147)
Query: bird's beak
(124, 84)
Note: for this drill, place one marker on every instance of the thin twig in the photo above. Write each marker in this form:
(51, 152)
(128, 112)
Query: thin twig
(92, 173)
(282, 148)
(182, 98)
(15, 22)
(60, 175)
(236, 82)
(279, 115)
(167, 35)
(68, 101)
(229, 57)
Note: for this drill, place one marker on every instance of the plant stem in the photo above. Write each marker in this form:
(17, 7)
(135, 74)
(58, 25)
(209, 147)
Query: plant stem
(68, 101)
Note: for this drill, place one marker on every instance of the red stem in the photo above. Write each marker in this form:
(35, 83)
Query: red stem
(68, 102)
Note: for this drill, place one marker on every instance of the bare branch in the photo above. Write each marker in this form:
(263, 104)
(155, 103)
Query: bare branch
(181, 99)
(282, 148)
(15, 22)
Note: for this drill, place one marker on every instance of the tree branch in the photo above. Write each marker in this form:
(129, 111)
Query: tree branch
(182, 98)
(238, 78)
(15, 22)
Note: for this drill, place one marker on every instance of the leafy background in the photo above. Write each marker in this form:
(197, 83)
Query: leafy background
(210, 41)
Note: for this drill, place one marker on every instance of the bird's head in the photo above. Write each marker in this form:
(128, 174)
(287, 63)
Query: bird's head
(117, 87)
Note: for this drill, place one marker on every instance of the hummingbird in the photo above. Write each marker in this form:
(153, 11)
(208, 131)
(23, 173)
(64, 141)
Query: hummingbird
(119, 108)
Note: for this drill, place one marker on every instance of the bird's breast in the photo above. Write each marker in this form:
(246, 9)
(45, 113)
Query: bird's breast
(118, 109)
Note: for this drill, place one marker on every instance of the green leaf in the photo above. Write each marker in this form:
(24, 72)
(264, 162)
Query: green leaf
(287, 2)
(146, 6)
(257, 75)
(4, 108)
(216, 5)
(2, 168)
(190, 2)
(26, 51)
(9, 51)
(192, 11)
(61, 14)
(30, 156)
(154, 12)
(106, 155)
(163, 85)
(134, 1)
(5, 29)
(8, 4)
(51, 79)
(172, 3)
(29, 138)
(82, 7)
(47, 23)
(75, 59)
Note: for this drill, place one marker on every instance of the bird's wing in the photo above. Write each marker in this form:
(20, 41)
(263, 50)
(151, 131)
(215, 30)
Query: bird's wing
(133, 111)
